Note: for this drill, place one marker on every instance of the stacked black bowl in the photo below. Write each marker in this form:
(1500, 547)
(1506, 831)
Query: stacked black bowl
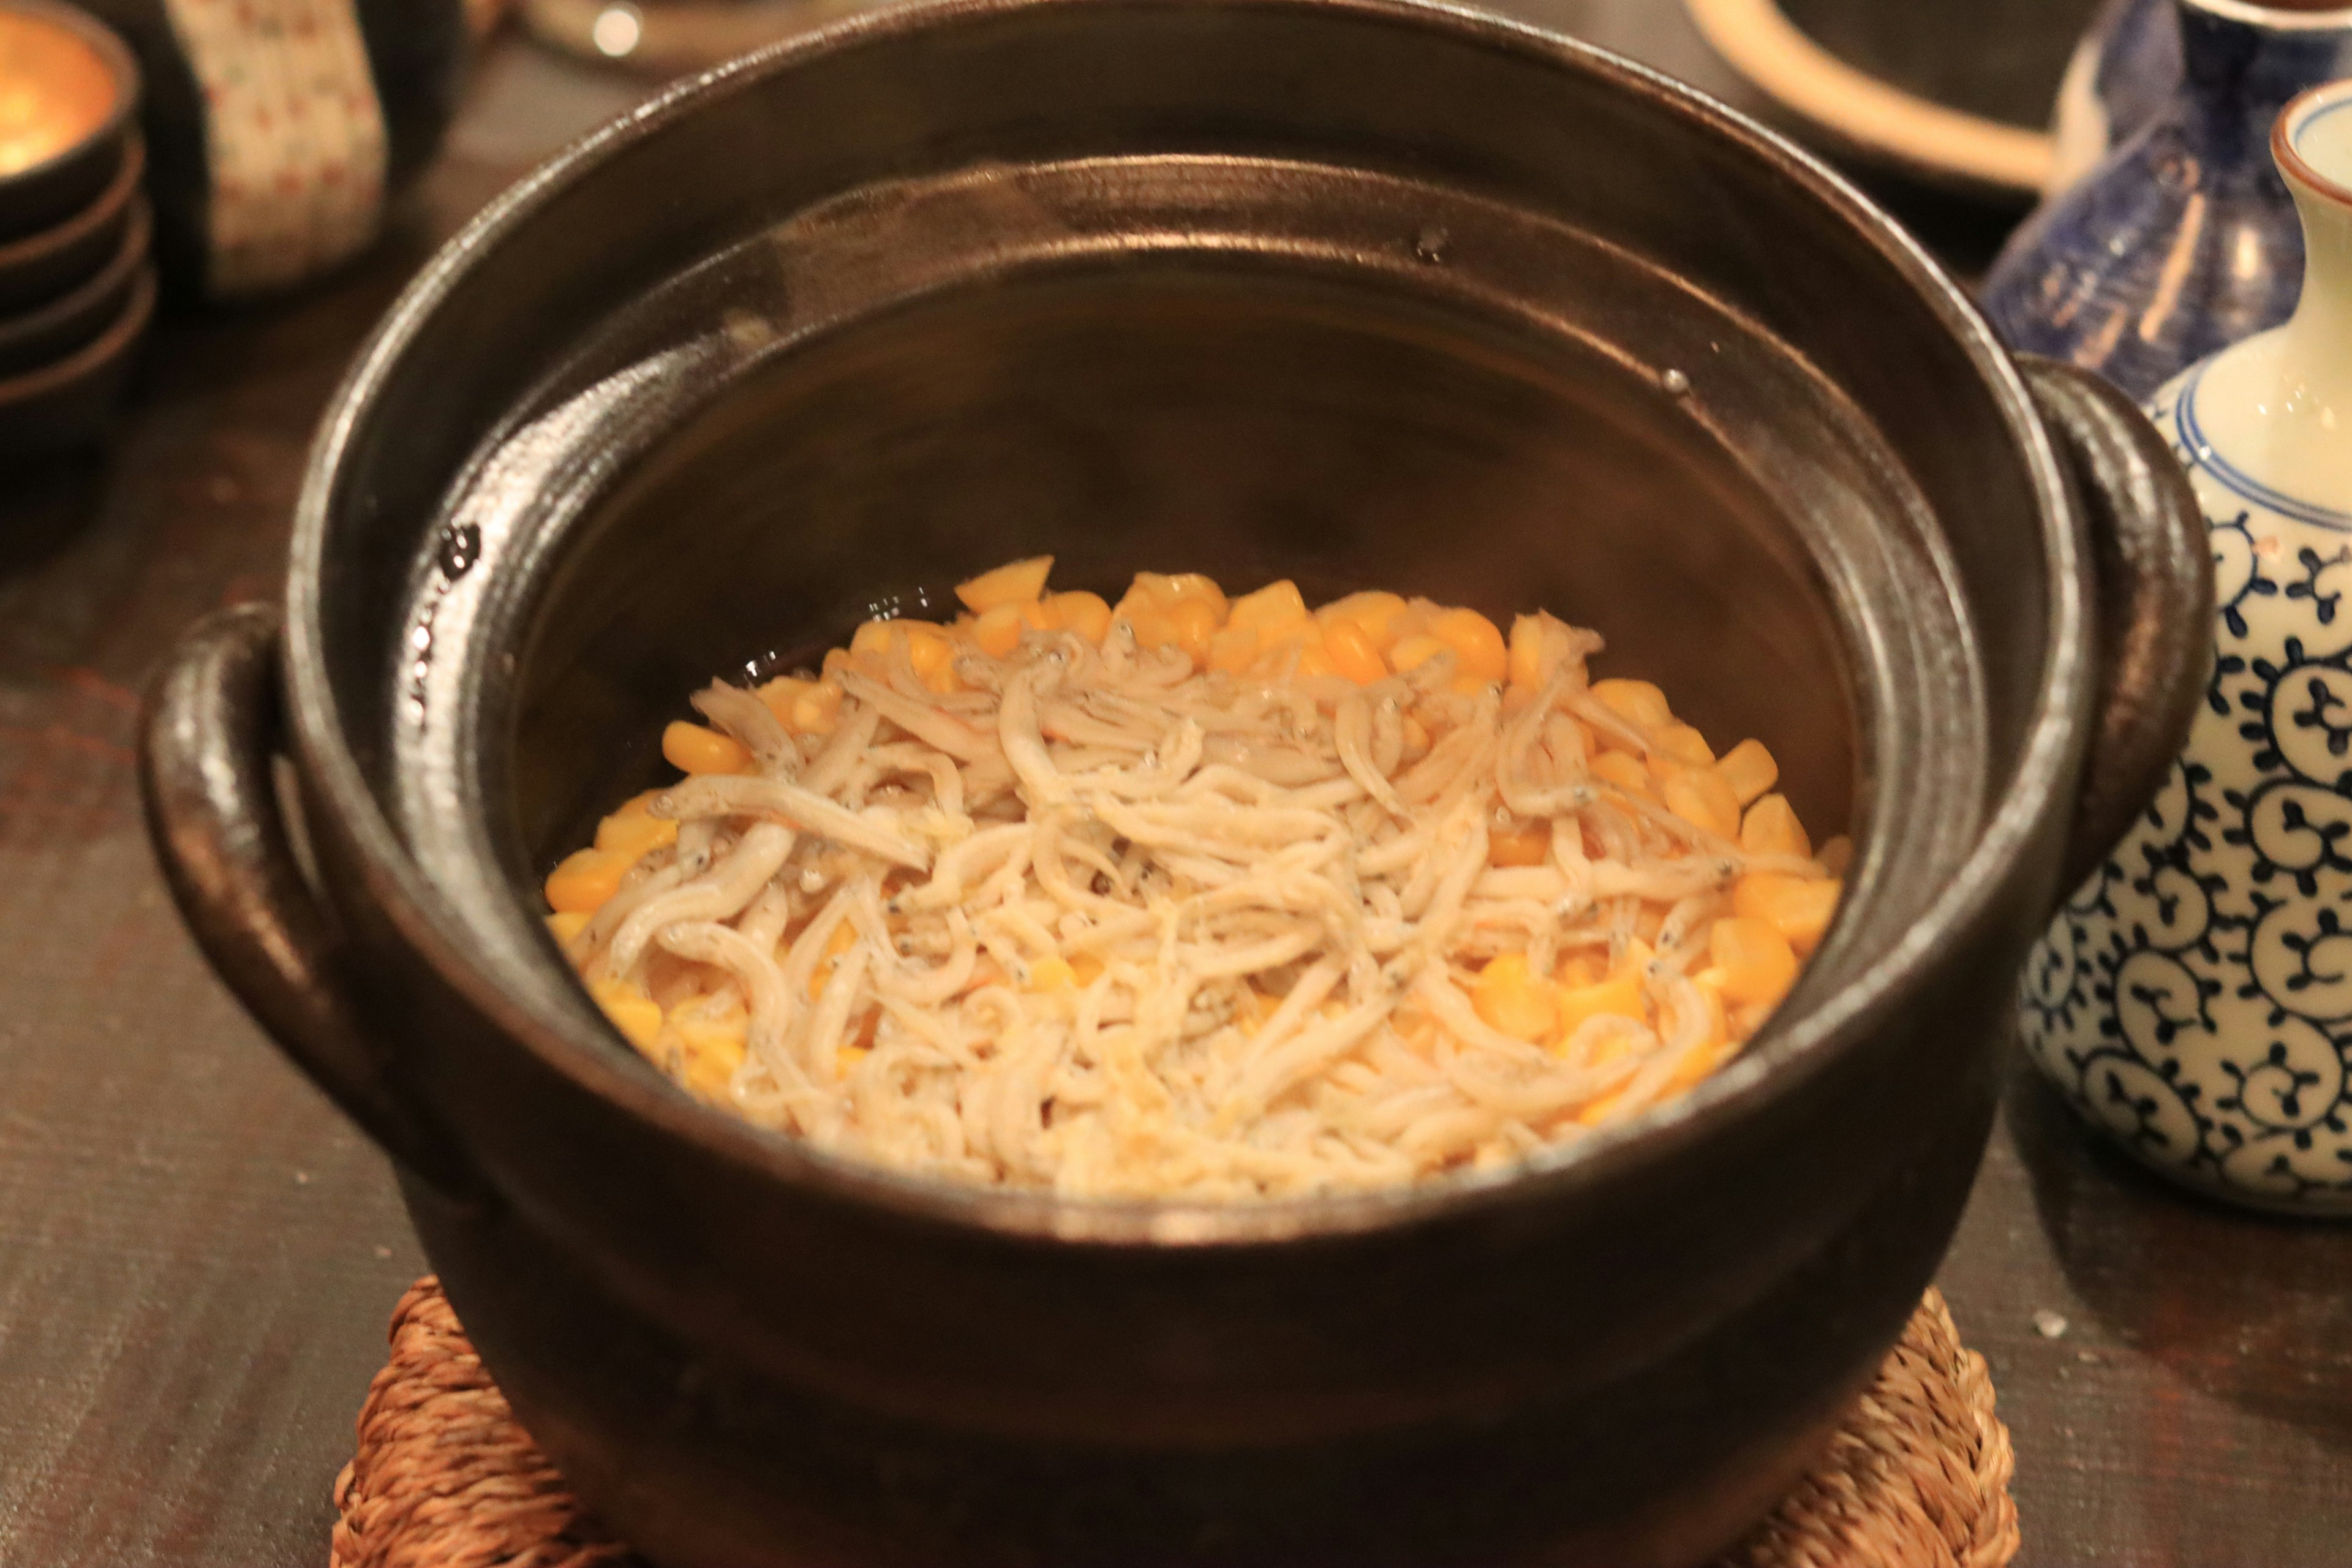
(76, 287)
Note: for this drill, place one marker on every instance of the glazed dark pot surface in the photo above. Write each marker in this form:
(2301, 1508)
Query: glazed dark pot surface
(1360, 293)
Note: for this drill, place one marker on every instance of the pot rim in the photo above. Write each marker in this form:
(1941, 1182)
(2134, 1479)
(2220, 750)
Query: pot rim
(577, 1044)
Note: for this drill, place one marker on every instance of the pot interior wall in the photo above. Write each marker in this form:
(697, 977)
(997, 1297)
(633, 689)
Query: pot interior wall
(1237, 420)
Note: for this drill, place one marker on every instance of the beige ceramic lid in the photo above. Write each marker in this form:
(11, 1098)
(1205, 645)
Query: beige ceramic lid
(1757, 38)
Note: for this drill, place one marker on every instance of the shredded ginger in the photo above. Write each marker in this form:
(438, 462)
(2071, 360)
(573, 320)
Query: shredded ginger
(1191, 898)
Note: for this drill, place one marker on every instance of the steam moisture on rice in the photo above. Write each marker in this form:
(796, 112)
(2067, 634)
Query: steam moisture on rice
(1192, 897)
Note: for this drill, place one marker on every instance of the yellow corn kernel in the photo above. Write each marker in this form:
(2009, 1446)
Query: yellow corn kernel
(1771, 827)
(1233, 649)
(691, 749)
(631, 829)
(1088, 614)
(1052, 974)
(1476, 642)
(1415, 651)
(1526, 651)
(1164, 591)
(1277, 642)
(1637, 701)
(1700, 1061)
(1379, 614)
(818, 710)
(1746, 1019)
(1618, 996)
(780, 694)
(1039, 616)
(637, 1015)
(1153, 629)
(1678, 743)
(1700, 797)
(805, 707)
(1600, 1111)
(1622, 769)
(1276, 608)
(584, 879)
(1184, 585)
(709, 1050)
(632, 835)
(1086, 969)
(1195, 621)
(998, 631)
(1015, 583)
(1313, 661)
(932, 650)
(1749, 770)
(1756, 961)
(1352, 654)
(1513, 1001)
(874, 638)
(1414, 619)
(1799, 907)
(1528, 844)
(846, 1058)
(566, 925)
(1579, 969)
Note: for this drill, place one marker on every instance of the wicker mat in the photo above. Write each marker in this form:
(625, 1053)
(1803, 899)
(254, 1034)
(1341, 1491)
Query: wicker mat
(446, 1478)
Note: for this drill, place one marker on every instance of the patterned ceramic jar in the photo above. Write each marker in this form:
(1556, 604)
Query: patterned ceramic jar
(2183, 240)
(2194, 998)
(2122, 74)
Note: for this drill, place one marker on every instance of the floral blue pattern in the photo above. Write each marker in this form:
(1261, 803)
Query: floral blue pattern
(2195, 997)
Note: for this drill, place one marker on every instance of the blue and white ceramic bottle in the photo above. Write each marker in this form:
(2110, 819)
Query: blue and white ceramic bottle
(2194, 998)
(2183, 239)
(2124, 74)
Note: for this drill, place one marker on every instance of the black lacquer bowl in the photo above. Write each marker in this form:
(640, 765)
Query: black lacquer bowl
(1357, 292)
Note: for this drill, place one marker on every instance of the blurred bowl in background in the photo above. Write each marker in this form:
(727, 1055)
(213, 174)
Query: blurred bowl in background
(56, 328)
(1956, 97)
(68, 90)
(71, 403)
(52, 261)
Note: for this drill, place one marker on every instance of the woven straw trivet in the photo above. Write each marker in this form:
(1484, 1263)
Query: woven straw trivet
(445, 1478)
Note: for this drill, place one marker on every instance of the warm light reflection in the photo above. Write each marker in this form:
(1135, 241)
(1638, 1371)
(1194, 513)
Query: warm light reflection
(2247, 263)
(616, 29)
(55, 90)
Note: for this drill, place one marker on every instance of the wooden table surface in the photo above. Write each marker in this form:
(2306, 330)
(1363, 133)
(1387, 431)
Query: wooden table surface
(197, 1256)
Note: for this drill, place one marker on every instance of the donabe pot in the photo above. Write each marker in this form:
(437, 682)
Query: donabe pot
(1364, 294)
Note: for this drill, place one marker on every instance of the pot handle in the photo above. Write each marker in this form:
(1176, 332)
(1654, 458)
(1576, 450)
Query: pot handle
(2154, 570)
(209, 743)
